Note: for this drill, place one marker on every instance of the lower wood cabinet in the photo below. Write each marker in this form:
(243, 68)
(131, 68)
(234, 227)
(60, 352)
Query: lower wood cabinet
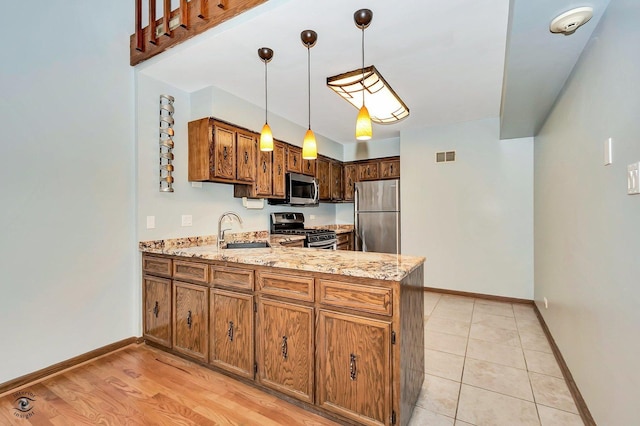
(348, 347)
(191, 320)
(354, 366)
(231, 332)
(345, 241)
(157, 310)
(285, 348)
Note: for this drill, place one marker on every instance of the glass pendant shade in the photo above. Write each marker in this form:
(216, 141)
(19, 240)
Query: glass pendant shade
(309, 147)
(363, 125)
(266, 138)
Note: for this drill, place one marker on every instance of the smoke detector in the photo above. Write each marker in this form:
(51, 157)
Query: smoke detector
(568, 22)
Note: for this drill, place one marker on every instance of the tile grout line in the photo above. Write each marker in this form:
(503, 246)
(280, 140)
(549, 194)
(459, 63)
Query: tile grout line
(526, 364)
(464, 363)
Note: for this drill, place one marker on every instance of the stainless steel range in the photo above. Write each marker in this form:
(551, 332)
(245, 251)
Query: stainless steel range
(293, 224)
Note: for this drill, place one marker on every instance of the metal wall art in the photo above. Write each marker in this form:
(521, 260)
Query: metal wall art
(166, 143)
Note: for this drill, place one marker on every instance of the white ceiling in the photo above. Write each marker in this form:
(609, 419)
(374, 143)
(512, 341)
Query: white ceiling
(444, 58)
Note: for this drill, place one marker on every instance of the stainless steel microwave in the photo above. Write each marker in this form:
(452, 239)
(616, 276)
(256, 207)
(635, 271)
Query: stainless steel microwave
(302, 190)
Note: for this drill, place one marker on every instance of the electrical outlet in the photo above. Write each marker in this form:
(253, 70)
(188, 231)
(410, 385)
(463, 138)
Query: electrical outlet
(151, 222)
(196, 184)
(187, 220)
(312, 217)
(546, 303)
(608, 152)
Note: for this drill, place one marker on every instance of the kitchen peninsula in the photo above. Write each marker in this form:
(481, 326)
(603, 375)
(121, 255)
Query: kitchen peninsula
(337, 332)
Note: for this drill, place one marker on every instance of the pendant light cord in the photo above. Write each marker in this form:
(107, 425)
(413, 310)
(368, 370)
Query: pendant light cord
(266, 93)
(309, 82)
(363, 85)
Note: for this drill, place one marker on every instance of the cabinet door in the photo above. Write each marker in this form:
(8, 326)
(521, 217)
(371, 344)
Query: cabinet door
(368, 171)
(354, 367)
(285, 348)
(350, 179)
(294, 159)
(231, 331)
(390, 169)
(190, 320)
(157, 310)
(336, 181)
(264, 173)
(279, 157)
(309, 167)
(224, 150)
(246, 161)
(322, 174)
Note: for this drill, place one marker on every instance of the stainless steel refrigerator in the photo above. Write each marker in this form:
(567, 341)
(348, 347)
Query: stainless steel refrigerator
(377, 216)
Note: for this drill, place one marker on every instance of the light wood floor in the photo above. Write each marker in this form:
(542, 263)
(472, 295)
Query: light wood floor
(141, 385)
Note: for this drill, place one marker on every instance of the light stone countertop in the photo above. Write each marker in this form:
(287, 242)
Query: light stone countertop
(380, 266)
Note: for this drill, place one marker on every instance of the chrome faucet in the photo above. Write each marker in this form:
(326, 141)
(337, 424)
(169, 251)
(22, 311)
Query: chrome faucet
(220, 230)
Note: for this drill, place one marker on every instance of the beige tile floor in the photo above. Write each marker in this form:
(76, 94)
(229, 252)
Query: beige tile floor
(489, 363)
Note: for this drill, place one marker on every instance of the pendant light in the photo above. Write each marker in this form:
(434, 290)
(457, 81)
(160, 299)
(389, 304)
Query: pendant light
(364, 132)
(266, 137)
(309, 146)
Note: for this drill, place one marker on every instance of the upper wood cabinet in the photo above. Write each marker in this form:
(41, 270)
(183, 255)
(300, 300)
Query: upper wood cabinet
(323, 174)
(350, 179)
(294, 159)
(390, 169)
(247, 148)
(279, 170)
(336, 180)
(309, 167)
(221, 152)
(369, 170)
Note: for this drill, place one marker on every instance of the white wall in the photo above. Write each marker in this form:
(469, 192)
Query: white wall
(587, 236)
(67, 249)
(205, 204)
(472, 219)
(372, 149)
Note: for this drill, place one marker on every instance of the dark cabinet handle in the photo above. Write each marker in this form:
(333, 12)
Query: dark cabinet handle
(264, 167)
(230, 331)
(285, 349)
(368, 171)
(224, 153)
(246, 157)
(189, 320)
(221, 4)
(156, 309)
(352, 367)
(295, 160)
(391, 168)
(308, 164)
(279, 169)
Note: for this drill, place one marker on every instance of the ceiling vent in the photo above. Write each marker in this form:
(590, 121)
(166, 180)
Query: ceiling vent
(568, 22)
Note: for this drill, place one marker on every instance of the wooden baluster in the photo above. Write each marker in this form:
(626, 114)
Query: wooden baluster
(184, 14)
(203, 9)
(153, 39)
(139, 32)
(166, 17)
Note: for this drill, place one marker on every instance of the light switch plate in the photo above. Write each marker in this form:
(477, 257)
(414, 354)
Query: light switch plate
(151, 222)
(187, 220)
(196, 184)
(608, 154)
(633, 184)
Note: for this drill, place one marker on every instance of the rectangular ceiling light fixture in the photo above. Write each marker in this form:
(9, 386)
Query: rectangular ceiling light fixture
(384, 105)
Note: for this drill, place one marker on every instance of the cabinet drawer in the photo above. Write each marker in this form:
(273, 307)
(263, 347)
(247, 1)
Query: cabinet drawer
(192, 271)
(377, 300)
(156, 265)
(291, 286)
(227, 276)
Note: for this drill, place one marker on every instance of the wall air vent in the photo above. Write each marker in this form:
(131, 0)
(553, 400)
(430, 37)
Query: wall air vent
(445, 156)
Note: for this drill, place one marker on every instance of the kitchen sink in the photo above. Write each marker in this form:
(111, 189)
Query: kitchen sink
(250, 244)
